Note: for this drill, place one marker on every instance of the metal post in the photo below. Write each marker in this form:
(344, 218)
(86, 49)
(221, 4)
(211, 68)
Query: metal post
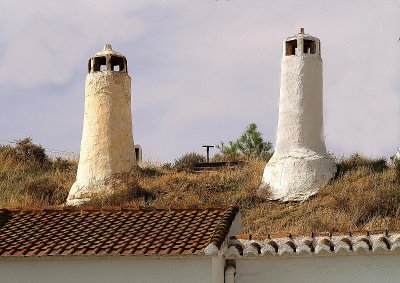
(208, 152)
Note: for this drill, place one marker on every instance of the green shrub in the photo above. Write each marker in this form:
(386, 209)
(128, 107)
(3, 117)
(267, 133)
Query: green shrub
(250, 145)
(26, 152)
(188, 159)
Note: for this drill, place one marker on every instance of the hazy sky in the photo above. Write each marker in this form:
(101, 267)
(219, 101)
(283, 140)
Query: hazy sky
(202, 70)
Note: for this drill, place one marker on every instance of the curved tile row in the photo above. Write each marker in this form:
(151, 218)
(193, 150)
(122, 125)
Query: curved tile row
(341, 244)
(59, 232)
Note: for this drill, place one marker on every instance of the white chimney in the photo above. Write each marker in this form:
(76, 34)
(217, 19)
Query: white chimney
(107, 147)
(300, 165)
(397, 155)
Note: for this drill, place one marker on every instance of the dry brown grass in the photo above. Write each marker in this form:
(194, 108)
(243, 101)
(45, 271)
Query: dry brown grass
(364, 195)
(34, 182)
(167, 188)
(360, 199)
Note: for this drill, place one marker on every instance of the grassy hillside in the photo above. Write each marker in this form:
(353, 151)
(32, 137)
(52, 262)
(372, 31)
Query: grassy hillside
(364, 195)
(28, 177)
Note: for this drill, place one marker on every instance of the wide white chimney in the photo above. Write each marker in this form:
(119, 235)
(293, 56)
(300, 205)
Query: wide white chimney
(107, 147)
(300, 165)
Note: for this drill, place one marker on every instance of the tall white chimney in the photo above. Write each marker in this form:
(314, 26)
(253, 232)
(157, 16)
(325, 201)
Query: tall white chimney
(107, 147)
(300, 165)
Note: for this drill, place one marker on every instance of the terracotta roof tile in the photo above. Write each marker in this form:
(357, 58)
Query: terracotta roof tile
(112, 231)
(316, 243)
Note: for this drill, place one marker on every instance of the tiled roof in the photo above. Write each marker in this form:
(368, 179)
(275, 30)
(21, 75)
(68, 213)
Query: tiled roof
(323, 244)
(112, 231)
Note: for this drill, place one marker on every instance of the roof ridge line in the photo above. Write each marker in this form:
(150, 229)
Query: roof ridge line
(350, 233)
(111, 208)
(229, 221)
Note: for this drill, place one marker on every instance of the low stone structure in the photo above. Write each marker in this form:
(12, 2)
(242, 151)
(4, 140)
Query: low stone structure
(300, 165)
(107, 147)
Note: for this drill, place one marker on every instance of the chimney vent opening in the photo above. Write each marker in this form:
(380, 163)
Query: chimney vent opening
(117, 64)
(291, 47)
(309, 46)
(99, 64)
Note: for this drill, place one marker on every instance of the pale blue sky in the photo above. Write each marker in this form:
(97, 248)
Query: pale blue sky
(202, 70)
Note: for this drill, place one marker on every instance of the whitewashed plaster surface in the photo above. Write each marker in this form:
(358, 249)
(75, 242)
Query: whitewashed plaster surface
(397, 155)
(329, 269)
(112, 269)
(300, 165)
(107, 147)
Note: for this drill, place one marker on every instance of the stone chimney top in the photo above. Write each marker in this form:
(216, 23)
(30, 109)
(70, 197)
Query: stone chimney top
(303, 43)
(107, 50)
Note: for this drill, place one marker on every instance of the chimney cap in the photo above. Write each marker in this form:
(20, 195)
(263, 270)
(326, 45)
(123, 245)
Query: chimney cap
(107, 47)
(301, 34)
(107, 50)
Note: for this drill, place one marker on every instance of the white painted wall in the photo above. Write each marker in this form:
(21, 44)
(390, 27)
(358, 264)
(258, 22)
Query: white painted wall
(236, 227)
(111, 269)
(397, 155)
(329, 269)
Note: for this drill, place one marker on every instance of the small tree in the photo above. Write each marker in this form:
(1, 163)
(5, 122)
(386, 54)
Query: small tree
(250, 145)
(231, 150)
